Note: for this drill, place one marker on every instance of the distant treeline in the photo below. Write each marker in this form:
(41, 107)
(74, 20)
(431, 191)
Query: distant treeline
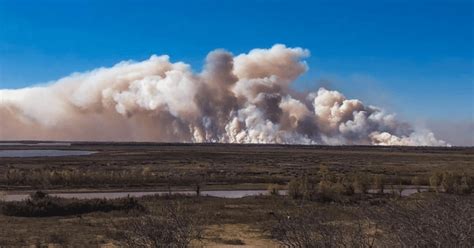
(332, 187)
(54, 177)
(347, 183)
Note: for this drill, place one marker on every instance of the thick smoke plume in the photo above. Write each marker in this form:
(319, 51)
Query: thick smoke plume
(241, 99)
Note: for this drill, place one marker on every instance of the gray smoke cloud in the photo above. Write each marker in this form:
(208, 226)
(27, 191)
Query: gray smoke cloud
(236, 99)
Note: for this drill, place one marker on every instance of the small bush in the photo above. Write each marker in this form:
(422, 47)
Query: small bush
(454, 183)
(325, 174)
(449, 182)
(465, 187)
(435, 180)
(416, 181)
(274, 189)
(294, 189)
(361, 183)
(379, 183)
(173, 226)
(347, 184)
(310, 227)
(340, 189)
(325, 191)
(299, 188)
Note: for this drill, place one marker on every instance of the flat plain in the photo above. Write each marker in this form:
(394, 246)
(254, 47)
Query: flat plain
(243, 222)
(225, 165)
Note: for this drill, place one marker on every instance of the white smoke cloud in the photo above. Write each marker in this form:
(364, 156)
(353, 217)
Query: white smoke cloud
(241, 99)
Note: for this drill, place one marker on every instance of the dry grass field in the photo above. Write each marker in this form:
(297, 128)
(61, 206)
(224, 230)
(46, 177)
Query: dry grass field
(148, 165)
(327, 202)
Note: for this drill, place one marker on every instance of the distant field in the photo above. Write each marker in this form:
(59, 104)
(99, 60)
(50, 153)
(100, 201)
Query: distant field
(150, 165)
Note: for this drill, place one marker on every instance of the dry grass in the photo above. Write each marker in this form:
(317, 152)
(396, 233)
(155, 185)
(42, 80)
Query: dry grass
(246, 222)
(228, 222)
(151, 165)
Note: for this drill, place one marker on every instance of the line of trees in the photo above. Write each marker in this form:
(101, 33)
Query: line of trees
(327, 186)
(44, 178)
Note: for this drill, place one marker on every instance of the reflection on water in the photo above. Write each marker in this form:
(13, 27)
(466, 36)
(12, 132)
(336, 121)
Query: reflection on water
(35, 144)
(41, 153)
(215, 193)
(114, 195)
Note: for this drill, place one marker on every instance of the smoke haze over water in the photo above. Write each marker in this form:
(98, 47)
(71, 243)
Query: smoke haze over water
(235, 99)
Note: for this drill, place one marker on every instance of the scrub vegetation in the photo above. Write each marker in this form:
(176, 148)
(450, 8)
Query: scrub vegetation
(317, 197)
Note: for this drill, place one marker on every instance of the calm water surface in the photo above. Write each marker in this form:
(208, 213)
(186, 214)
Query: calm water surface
(215, 193)
(42, 153)
(114, 195)
(35, 144)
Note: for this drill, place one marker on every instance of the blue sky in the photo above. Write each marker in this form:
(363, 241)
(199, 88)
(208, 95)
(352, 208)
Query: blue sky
(411, 57)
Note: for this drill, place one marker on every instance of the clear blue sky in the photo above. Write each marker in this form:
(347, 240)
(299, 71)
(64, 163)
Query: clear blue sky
(413, 57)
